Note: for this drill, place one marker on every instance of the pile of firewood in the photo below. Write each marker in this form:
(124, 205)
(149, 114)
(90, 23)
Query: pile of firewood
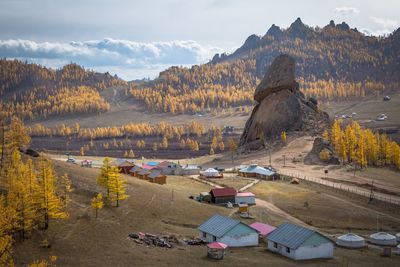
(165, 241)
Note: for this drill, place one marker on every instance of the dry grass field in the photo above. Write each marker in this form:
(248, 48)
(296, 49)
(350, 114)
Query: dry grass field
(82, 240)
(329, 211)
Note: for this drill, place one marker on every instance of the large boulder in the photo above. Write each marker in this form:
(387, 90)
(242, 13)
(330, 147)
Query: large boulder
(314, 156)
(280, 75)
(281, 107)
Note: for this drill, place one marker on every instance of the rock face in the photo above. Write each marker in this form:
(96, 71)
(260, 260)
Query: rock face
(281, 106)
(313, 157)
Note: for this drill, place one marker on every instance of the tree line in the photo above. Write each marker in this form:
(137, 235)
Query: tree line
(361, 146)
(30, 192)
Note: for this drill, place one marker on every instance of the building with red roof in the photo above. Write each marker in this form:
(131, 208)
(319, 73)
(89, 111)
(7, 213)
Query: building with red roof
(223, 195)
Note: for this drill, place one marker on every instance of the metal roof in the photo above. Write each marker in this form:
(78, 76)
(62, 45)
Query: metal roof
(262, 228)
(135, 168)
(152, 163)
(155, 174)
(217, 245)
(191, 167)
(218, 225)
(223, 192)
(144, 172)
(257, 169)
(290, 235)
(245, 194)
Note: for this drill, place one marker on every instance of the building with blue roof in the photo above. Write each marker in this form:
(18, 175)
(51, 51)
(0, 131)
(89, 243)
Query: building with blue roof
(228, 231)
(299, 243)
(258, 171)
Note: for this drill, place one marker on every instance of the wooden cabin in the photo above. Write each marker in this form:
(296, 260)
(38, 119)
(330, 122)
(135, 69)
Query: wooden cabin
(156, 176)
(135, 170)
(143, 174)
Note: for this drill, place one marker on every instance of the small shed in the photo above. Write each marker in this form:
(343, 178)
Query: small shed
(135, 170)
(228, 231)
(124, 165)
(216, 250)
(212, 173)
(299, 243)
(243, 208)
(143, 174)
(350, 240)
(156, 176)
(383, 239)
(245, 197)
(263, 229)
(223, 195)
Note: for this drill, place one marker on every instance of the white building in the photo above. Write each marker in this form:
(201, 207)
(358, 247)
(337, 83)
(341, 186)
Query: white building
(299, 243)
(228, 231)
(350, 240)
(245, 198)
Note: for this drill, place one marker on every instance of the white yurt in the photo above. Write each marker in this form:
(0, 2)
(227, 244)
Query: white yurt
(384, 239)
(211, 172)
(350, 240)
(398, 237)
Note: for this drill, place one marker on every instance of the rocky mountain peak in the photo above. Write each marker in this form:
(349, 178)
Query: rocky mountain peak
(274, 31)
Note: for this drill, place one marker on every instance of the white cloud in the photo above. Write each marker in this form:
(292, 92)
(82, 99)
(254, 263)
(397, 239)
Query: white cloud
(130, 57)
(347, 11)
(386, 24)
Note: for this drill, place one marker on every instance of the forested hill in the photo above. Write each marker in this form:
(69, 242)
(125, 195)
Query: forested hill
(32, 91)
(333, 62)
(332, 52)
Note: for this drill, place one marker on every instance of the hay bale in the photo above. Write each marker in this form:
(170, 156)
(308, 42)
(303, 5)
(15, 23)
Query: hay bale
(295, 181)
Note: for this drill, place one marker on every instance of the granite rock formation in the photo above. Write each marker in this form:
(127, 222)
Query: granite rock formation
(281, 107)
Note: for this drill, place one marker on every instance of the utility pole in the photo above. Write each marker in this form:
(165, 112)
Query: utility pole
(371, 195)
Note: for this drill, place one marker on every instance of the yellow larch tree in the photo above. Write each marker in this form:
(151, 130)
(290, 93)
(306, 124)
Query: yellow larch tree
(51, 204)
(116, 185)
(283, 137)
(97, 203)
(104, 175)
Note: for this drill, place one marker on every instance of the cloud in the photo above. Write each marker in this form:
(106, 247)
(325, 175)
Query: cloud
(389, 24)
(112, 54)
(385, 26)
(347, 11)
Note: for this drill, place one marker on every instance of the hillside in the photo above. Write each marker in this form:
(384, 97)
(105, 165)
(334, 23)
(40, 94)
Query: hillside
(333, 62)
(33, 91)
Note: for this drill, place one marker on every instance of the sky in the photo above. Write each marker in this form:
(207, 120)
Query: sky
(138, 39)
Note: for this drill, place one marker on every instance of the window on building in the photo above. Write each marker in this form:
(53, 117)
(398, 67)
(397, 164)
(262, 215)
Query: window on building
(204, 235)
(288, 250)
(275, 245)
(214, 238)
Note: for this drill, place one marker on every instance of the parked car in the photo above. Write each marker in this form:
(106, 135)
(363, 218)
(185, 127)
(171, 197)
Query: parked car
(386, 98)
(71, 160)
(381, 117)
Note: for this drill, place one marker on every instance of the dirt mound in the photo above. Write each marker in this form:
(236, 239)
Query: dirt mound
(281, 107)
(321, 153)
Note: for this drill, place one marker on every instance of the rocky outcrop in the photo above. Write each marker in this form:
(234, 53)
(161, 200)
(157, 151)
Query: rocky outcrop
(314, 156)
(281, 106)
(274, 31)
